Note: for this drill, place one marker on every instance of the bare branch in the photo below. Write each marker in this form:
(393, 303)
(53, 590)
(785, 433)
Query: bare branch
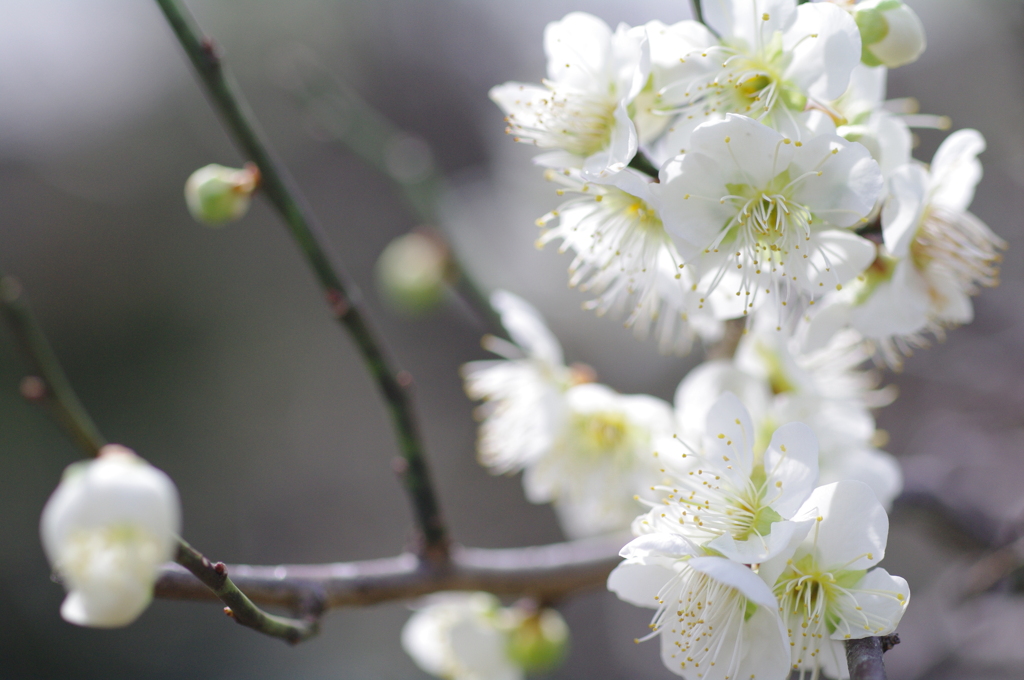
(342, 296)
(215, 581)
(545, 573)
(864, 657)
(49, 386)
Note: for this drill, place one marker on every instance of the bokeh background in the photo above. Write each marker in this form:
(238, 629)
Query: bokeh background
(211, 353)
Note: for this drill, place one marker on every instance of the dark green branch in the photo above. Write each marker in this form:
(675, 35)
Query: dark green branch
(241, 609)
(48, 386)
(341, 295)
(698, 12)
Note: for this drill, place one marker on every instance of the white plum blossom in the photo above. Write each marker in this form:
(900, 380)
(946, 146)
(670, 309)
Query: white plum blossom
(599, 460)
(523, 393)
(825, 590)
(764, 214)
(726, 499)
(891, 33)
(773, 59)
(106, 530)
(624, 256)
(867, 121)
(582, 446)
(716, 619)
(824, 390)
(934, 256)
(582, 109)
(460, 636)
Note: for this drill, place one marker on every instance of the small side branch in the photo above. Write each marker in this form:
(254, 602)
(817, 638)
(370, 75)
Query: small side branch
(48, 385)
(545, 573)
(214, 577)
(864, 657)
(340, 293)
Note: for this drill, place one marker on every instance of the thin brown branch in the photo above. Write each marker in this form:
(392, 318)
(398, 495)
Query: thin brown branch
(544, 573)
(864, 656)
(725, 348)
(48, 386)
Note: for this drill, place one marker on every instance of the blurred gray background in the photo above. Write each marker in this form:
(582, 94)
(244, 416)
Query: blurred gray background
(211, 353)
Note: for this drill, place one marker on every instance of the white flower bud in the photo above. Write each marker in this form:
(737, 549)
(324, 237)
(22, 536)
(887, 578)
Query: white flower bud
(413, 271)
(459, 636)
(891, 33)
(538, 640)
(106, 529)
(216, 194)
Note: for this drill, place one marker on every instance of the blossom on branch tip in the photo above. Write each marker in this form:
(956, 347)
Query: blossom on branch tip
(216, 194)
(825, 590)
(891, 33)
(581, 445)
(582, 109)
(716, 619)
(723, 497)
(106, 530)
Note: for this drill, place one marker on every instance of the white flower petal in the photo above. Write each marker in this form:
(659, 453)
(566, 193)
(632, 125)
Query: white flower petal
(898, 306)
(752, 152)
(825, 43)
(876, 605)
(854, 527)
(878, 469)
(835, 258)
(526, 327)
(849, 182)
(730, 435)
(577, 47)
(621, 148)
(744, 20)
(956, 169)
(904, 208)
(638, 583)
(791, 465)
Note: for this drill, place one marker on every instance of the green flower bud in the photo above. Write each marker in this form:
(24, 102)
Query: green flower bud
(538, 641)
(891, 33)
(413, 272)
(216, 195)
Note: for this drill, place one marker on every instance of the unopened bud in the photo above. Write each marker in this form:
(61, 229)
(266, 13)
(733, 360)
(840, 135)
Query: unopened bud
(216, 194)
(539, 642)
(413, 271)
(891, 33)
(106, 530)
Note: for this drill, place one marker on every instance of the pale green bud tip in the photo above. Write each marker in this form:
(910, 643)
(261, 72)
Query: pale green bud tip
(216, 194)
(539, 642)
(891, 33)
(413, 271)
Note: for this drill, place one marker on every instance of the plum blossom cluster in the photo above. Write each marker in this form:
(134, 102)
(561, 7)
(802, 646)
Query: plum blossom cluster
(744, 173)
(752, 166)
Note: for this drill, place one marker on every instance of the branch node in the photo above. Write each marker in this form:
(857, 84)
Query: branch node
(33, 388)
(220, 568)
(339, 303)
(890, 641)
(404, 379)
(399, 465)
(230, 614)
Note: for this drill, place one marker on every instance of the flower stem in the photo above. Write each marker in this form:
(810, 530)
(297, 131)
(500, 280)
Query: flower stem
(48, 385)
(698, 12)
(341, 295)
(241, 608)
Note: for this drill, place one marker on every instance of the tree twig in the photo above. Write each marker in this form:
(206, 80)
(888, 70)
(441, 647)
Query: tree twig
(725, 348)
(698, 12)
(545, 573)
(215, 580)
(341, 295)
(48, 386)
(864, 656)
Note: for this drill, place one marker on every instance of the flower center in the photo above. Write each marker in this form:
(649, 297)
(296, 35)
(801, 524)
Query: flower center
(603, 433)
